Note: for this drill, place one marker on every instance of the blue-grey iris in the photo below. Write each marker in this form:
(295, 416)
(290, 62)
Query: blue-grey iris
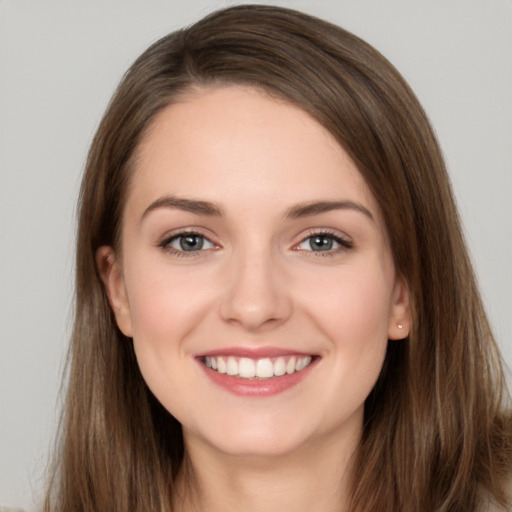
(321, 243)
(191, 242)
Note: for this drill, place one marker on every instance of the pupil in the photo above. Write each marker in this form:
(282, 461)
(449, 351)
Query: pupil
(191, 242)
(321, 243)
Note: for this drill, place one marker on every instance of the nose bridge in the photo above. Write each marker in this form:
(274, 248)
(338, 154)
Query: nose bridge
(256, 295)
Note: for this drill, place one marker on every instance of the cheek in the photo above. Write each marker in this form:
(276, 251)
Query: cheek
(166, 303)
(353, 306)
(354, 318)
(166, 307)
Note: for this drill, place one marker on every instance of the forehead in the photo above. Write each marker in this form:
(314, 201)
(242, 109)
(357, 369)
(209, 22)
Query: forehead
(241, 142)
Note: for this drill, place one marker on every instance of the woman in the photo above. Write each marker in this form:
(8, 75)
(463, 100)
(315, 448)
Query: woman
(275, 308)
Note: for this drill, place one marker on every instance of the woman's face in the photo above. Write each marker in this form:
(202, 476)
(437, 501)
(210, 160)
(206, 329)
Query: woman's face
(255, 275)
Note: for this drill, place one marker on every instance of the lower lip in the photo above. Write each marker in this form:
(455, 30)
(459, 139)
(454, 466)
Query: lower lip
(257, 387)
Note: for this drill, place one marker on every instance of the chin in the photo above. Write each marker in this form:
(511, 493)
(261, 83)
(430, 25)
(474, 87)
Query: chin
(258, 439)
(263, 446)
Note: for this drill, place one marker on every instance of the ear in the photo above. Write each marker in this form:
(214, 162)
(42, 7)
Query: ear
(110, 271)
(400, 315)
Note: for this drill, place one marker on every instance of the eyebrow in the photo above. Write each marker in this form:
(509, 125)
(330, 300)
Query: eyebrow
(188, 205)
(210, 209)
(318, 207)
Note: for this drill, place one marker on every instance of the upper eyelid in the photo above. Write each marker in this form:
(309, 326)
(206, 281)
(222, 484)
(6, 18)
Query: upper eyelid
(326, 232)
(184, 232)
(345, 243)
(336, 234)
(166, 241)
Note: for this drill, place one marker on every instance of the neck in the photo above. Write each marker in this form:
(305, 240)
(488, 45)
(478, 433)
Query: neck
(313, 477)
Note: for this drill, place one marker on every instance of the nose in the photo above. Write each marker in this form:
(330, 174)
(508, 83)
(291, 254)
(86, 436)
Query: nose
(257, 296)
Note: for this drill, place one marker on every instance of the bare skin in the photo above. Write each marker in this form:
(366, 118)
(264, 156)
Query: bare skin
(249, 234)
(308, 479)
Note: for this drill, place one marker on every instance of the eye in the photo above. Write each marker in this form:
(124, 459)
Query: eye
(187, 242)
(324, 242)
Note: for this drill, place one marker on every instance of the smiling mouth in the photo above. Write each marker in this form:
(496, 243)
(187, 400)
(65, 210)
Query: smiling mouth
(264, 368)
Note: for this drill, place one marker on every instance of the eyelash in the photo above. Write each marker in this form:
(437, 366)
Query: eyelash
(343, 243)
(165, 244)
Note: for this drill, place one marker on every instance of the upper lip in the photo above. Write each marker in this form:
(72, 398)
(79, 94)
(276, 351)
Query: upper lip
(254, 353)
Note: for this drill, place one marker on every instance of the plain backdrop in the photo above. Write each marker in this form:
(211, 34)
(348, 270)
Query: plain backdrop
(59, 63)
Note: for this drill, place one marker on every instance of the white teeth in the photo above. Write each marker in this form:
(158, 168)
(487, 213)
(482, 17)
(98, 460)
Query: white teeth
(301, 363)
(232, 366)
(221, 365)
(279, 367)
(246, 368)
(265, 368)
(290, 366)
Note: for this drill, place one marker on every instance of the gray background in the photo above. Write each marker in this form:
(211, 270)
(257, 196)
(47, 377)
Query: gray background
(59, 63)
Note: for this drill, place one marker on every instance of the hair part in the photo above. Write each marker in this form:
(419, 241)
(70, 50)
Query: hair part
(436, 435)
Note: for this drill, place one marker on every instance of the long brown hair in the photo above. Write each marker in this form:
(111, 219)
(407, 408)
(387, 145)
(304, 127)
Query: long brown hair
(436, 433)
